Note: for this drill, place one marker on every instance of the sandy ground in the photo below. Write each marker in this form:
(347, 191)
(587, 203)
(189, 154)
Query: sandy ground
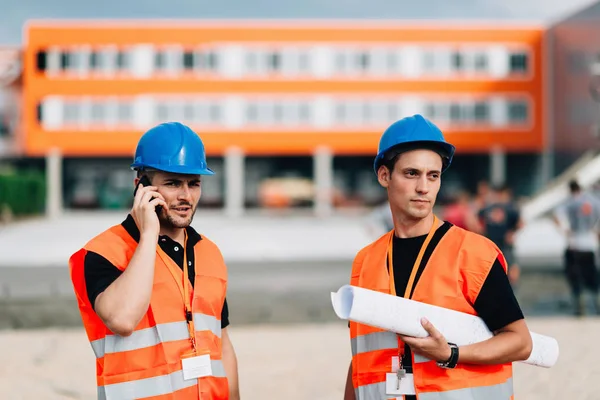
(285, 361)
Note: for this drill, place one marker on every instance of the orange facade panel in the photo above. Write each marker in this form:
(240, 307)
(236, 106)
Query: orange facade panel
(279, 88)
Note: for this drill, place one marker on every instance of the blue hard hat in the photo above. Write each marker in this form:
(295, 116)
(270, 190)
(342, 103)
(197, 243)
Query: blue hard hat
(413, 133)
(171, 147)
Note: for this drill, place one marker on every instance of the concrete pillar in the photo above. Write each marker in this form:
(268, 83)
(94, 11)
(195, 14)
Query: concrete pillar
(54, 190)
(323, 177)
(497, 166)
(234, 182)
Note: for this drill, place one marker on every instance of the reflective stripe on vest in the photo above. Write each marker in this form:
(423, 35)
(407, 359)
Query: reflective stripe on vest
(379, 341)
(155, 386)
(373, 342)
(161, 333)
(502, 391)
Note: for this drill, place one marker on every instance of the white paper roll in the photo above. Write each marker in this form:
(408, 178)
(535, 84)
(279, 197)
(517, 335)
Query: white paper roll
(403, 316)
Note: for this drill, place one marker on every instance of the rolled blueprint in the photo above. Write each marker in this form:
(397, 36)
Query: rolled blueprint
(403, 316)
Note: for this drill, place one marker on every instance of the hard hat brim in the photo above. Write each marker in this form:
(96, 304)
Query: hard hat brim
(447, 151)
(175, 169)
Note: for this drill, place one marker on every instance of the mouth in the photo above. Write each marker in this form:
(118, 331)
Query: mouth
(182, 209)
(420, 201)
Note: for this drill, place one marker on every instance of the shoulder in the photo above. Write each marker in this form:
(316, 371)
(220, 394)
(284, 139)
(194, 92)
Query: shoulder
(208, 245)
(475, 248)
(363, 253)
(114, 245)
(382, 240)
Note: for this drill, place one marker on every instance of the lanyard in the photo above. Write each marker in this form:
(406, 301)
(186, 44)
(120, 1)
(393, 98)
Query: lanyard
(415, 268)
(183, 285)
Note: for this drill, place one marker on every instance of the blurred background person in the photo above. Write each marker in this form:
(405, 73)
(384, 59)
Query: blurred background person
(499, 222)
(459, 212)
(578, 219)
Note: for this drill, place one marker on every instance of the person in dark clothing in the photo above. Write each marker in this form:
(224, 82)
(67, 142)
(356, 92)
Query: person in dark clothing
(500, 221)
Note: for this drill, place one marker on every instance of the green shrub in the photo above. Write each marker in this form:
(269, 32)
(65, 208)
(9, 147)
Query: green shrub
(23, 192)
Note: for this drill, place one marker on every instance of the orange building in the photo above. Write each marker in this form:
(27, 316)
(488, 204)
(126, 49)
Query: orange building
(279, 91)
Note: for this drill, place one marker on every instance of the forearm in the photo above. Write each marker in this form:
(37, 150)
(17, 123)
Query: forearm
(349, 390)
(123, 304)
(231, 370)
(502, 348)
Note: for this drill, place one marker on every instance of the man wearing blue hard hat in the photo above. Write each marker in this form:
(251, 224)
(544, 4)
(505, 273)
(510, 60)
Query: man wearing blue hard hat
(151, 290)
(431, 261)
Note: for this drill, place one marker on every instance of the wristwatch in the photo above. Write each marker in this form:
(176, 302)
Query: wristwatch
(453, 360)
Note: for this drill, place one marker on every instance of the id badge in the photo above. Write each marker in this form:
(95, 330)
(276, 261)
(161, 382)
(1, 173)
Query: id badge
(196, 366)
(406, 386)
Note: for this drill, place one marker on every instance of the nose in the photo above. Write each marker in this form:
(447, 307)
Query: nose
(422, 185)
(185, 193)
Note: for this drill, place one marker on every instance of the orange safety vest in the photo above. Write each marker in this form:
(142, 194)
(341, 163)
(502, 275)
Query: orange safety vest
(147, 364)
(452, 278)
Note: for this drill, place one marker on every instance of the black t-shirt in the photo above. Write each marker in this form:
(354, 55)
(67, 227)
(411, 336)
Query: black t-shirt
(496, 304)
(499, 219)
(100, 273)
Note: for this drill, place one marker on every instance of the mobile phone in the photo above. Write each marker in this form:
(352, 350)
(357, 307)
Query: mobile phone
(144, 181)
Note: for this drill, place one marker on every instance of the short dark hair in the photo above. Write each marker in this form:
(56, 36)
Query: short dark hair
(574, 186)
(147, 172)
(391, 156)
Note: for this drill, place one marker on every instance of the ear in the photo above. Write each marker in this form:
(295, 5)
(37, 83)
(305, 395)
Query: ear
(136, 181)
(383, 176)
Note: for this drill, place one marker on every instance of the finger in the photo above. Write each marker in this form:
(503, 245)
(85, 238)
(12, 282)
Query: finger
(428, 326)
(142, 190)
(148, 197)
(158, 202)
(138, 195)
(409, 340)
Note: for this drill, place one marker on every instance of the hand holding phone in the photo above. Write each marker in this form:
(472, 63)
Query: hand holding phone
(144, 181)
(147, 205)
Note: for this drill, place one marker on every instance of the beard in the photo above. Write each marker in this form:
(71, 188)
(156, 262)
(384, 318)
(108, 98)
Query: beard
(176, 222)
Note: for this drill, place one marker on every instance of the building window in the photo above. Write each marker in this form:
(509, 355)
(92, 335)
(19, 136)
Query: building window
(214, 113)
(364, 60)
(94, 60)
(124, 112)
(518, 62)
(41, 62)
(162, 111)
(517, 111)
(274, 61)
(188, 111)
(392, 61)
(71, 112)
(455, 112)
(429, 63)
(481, 62)
(188, 60)
(481, 112)
(457, 61)
(98, 112)
(160, 60)
(430, 111)
(64, 60)
(340, 112)
(121, 60)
